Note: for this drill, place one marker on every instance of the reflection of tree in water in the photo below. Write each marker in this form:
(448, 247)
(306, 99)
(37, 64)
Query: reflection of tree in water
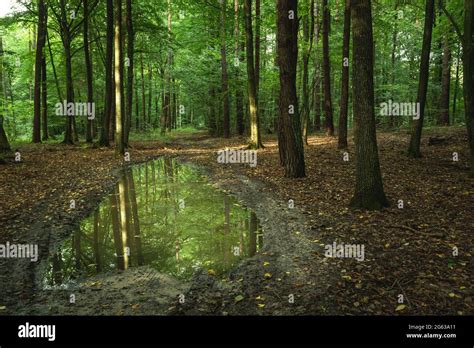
(141, 222)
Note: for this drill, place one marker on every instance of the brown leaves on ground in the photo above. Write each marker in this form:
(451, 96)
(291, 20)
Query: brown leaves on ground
(408, 251)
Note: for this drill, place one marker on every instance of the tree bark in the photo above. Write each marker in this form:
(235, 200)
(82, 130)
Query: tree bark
(104, 136)
(224, 77)
(38, 67)
(415, 140)
(119, 145)
(369, 193)
(342, 133)
(255, 139)
(445, 84)
(90, 91)
(468, 76)
(4, 144)
(290, 141)
(130, 67)
(328, 122)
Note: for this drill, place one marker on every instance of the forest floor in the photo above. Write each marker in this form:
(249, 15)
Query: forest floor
(408, 251)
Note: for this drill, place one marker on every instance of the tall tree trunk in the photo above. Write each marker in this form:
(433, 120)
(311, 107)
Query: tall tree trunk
(239, 96)
(150, 92)
(415, 140)
(38, 67)
(119, 145)
(104, 135)
(317, 71)
(224, 78)
(290, 141)
(257, 53)
(90, 91)
(130, 67)
(328, 122)
(143, 92)
(468, 75)
(68, 135)
(255, 139)
(4, 144)
(44, 101)
(342, 133)
(307, 38)
(445, 84)
(369, 193)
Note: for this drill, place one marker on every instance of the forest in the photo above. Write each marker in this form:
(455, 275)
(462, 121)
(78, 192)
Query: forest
(236, 157)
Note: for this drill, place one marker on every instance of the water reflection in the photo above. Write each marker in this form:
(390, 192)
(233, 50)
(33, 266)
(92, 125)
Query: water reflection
(162, 214)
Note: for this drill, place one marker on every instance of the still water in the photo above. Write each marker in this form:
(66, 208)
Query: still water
(163, 214)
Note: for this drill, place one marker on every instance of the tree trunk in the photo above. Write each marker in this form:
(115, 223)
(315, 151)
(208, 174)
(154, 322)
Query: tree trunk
(255, 139)
(104, 135)
(4, 144)
(415, 140)
(119, 145)
(38, 67)
(468, 75)
(44, 101)
(224, 78)
(290, 142)
(130, 67)
(369, 193)
(328, 122)
(143, 92)
(306, 53)
(445, 84)
(239, 96)
(342, 133)
(90, 91)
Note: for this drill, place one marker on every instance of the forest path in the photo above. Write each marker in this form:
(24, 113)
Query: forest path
(36, 194)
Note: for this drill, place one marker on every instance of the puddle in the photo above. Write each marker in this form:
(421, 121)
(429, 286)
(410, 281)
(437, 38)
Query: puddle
(163, 214)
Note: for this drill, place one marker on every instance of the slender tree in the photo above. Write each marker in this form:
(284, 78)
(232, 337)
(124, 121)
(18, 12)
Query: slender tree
(369, 193)
(342, 133)
(108, 109)
(89, 74)
(4, 144)
(290, 142)
(130, 67)
(119, 144)
(255, 139)
(224, 77)
(415, 140)
(40, 43)
(328, 122)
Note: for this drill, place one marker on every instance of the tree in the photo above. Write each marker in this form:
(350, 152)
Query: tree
(4, 144)
(290, 142)
(119, 144)
(308, 42)
(40, 43)
(239, 97)
(342, 133)
(224, 78)
(415, 140)
(130, 66)
(88, 60)
(328, 122)
(105, 135)
(443, 118)
(255, 139)
(369, 192)
(468, 62)
(68, 30)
